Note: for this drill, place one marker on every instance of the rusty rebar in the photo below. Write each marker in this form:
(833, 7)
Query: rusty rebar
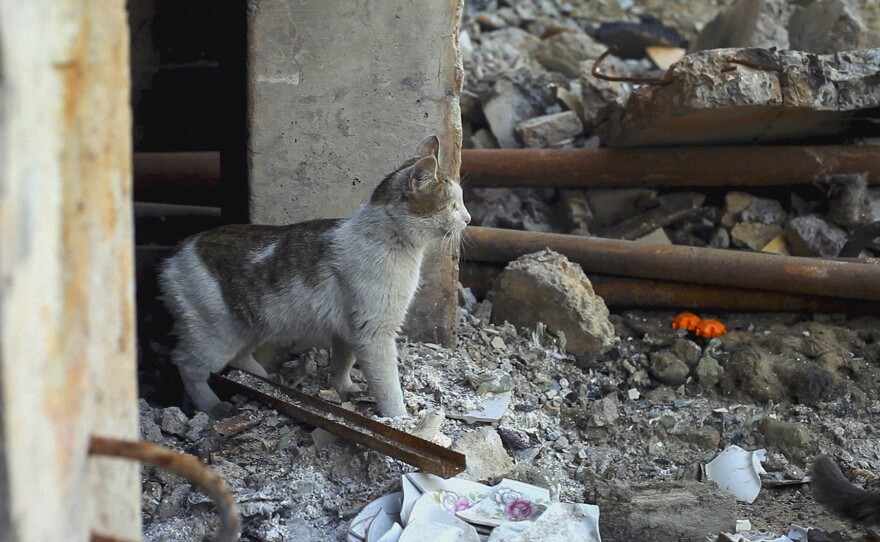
(666, 166)
(691, 265)
(183, 465)
(629, 293)
(624, 78)
(349, 425)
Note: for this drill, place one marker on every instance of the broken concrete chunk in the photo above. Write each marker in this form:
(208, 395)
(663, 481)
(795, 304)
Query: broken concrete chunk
(612, 206)
(848, 206)
(657, 238)
(604, 412)
(174, 421)
(574, 209)
(668, 368)
(792, 439)
(563, 52)
(709, 372)
(505, 109)
(826, 27)
(753, 235)
(714, 97)
(486, 457)
(602, 99)
(545, 287)
(811, 235)
(549, 130)
(667, 512)
(747, 23)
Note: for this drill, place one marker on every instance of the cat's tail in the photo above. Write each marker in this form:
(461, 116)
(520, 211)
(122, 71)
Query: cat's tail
(841, 496)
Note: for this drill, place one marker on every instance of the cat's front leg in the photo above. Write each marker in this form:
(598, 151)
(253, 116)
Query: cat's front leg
(195, 381)
(378, 358)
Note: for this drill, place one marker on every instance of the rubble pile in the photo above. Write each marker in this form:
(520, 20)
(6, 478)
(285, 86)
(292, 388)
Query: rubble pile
(629, 430)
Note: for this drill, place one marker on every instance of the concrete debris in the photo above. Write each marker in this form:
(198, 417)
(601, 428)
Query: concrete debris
(668, 368)
(604, 412)
(848, 205)
(545, 287)
(811, 235)
(564, 52)
(574, 210)
(667, 512)
(754, 235)
(827, 27)
(508, 107)
(790, 438)
(657, 238)
(611, 207)
(748, 95)
(747, 23)
(709, 372)
(549, 130)
(486, 457)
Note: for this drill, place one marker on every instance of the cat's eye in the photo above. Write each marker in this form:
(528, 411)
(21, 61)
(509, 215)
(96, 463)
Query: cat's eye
(453, 206)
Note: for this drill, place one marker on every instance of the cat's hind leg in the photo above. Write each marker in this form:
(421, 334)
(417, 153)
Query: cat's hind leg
(341, 361)
(195, 381)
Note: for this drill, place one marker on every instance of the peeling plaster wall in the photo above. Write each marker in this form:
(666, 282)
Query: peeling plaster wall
(340, 94)
(67, 364)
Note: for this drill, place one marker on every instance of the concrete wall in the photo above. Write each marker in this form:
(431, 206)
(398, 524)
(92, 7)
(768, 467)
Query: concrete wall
(67, 363)
(340, 93)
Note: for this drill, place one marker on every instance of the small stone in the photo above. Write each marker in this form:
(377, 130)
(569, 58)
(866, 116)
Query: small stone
(633, 394)
(330, 395)
(514, 438)
(792, 439)
(604, 412)
(563, 52)
(545, 287)
(174, 421)
(743, 525)
(174, 503)
(827, 27)
(549, 130)
(486, 457)
(848, 206)
(667, 368)
(611, 207)
(720, 239)
(747, 23)
(709, 372)
(754, 235)
(151, 496)
(811, 235)
(687, 350)
(498, 343)
(657, 237)
(198, 426)
(764, 211)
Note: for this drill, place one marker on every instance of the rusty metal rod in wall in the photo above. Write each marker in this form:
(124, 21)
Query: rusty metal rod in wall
(717, 267)
(628, 293)
(666, 166)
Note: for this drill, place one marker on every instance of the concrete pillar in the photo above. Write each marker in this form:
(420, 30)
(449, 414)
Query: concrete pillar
(340, 93)
(67, 363)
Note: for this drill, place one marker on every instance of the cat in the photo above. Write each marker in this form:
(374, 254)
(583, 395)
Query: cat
(345, 284)
(844, 498)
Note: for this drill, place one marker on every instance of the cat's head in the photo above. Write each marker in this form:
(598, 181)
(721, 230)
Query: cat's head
(423, 197)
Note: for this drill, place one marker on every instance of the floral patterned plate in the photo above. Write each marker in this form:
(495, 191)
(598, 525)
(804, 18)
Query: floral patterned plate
(509, 500)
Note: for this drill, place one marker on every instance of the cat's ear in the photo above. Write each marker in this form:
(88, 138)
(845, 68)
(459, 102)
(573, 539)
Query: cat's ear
(429, 147)
(422, 173)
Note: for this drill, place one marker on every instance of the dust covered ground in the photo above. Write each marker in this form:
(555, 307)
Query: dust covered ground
(793, 384)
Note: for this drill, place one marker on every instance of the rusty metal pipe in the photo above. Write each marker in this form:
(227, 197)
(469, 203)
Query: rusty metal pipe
(690, 265)
(197, 169)
(670, 166)
(628, 293)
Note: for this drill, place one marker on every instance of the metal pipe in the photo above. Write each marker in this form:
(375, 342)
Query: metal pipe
(692, 265)
(629, 293)
(183, 465)
(666, 166)
(194, 169)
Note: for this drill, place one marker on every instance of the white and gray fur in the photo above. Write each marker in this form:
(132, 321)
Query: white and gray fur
(345, 284)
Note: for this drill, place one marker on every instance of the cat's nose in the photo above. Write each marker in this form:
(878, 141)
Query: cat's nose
(466, 216)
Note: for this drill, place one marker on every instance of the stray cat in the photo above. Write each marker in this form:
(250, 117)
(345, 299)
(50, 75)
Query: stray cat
(343, 283)
(842, 496)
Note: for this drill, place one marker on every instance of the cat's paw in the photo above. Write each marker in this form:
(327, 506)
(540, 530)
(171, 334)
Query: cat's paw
(345, 389)
(221, 410)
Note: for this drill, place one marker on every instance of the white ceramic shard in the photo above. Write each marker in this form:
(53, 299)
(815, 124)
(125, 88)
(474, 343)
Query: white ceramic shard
(388, 504)
(393, 534)
(738, 471)
(493, 408)
(508, 501)
(428, 521)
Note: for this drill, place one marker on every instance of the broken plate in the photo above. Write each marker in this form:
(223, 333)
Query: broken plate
(562, 522)
(738, 471)
(387, 505)
(509, 500)
(430, 522)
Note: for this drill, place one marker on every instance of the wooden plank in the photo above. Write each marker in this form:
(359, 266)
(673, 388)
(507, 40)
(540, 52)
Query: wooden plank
(67, 364)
